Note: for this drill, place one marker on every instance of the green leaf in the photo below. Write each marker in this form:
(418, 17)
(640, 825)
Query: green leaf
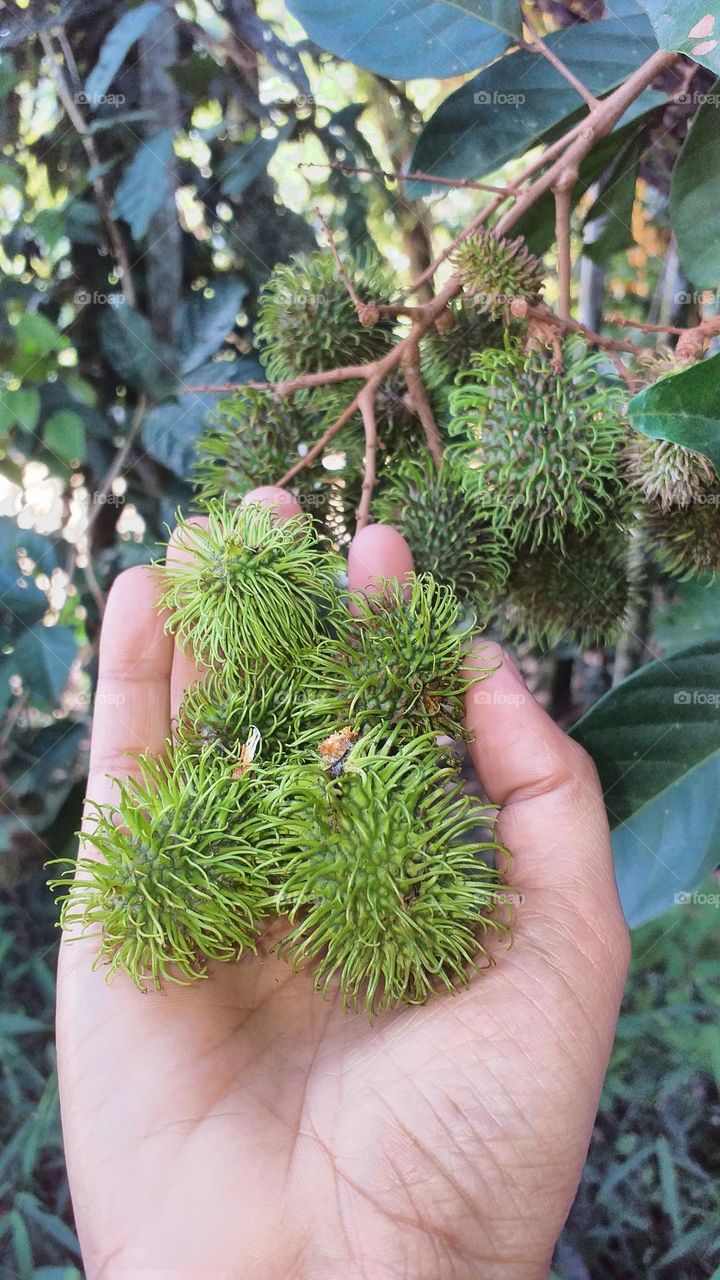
(509, 106)
(64, 435)
(690, 616)
(695, 197)
(537, 226)
(615, 205)
(207, 320)
(115, 46)
(127, 341)
(687, 26)
(243, 164)
(407, 39)
(144, 182)
(21, 406)
(656, 742)
(683, 407)
(37, 339)
(171, 430)
(43, 657)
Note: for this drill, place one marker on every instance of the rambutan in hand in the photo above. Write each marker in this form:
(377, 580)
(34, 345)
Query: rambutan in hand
(243, 1127)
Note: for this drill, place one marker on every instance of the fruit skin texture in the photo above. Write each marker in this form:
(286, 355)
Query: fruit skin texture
(687, 539)
(449, 532)
(181, 877)
(249, 590)
(253, 439)
(495, 271)
(579, 592)
(307, 322)
(383, 886)
(668, 474)
(224, 710)
(542, 446)
(399, 664)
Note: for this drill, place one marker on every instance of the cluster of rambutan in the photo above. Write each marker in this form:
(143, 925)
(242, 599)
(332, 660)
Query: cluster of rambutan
(543, 482)
(304, 779)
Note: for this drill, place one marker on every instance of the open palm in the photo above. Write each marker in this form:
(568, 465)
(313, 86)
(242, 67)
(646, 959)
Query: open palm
(243, 1127)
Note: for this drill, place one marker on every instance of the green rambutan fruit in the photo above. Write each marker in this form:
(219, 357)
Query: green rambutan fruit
(449, 532)
(666, 473)
(399, 664)
(252, 439)
(182, 874)
(445, 353)
(386, 885)
(307, 321)
(687, 539)
(228, 708)
(541, 446)
(495, 271)
(251, 590)
(578, 592)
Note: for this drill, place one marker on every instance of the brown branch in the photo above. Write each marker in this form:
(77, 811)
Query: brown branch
(117, 464)
(416, 176)
(356, 301)
(76, 118)
(419, 402)
(563, 207)
(324, 440)
(366, 403)
(537, 45)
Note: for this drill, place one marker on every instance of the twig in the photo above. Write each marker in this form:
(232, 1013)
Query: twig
(416, 176)
(563, 205)
(324, 440)
(366, 403)
(76, 118)
(623, 323)
(356, 301)
(537, 45)
(420, 403)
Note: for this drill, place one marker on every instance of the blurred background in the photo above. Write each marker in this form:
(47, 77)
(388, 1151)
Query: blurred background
(157, 161)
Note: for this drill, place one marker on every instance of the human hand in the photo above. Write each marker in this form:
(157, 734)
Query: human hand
(244, 1127)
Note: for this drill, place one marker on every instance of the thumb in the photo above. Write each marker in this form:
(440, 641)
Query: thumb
(378, 552)
(552, 813)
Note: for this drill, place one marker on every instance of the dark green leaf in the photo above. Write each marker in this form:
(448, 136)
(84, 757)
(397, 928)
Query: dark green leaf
(614, 205)
(144, 182)
(695, 196)
(656, 742)
(690, 616)
(127, 342)
(64, 435)
(683, 407)
(687, 26)
(171, 430)
(404, 40)
(207, 318)
(243, 164)
(43, 657)
(507, 108)
(115, 46)
(21, 406)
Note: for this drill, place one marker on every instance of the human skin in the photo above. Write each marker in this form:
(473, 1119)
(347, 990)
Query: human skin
(244, 1127)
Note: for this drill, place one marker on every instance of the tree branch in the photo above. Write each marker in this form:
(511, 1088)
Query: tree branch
(115, 240)
(366, 402)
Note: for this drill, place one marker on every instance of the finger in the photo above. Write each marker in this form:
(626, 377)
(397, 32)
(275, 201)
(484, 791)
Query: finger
(377, 553)
(552, 813)
(271, 495)
(132, 702)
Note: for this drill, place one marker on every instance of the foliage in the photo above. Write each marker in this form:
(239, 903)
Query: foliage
(151, 183)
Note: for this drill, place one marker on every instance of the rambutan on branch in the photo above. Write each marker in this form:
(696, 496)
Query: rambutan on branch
(557, 168)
